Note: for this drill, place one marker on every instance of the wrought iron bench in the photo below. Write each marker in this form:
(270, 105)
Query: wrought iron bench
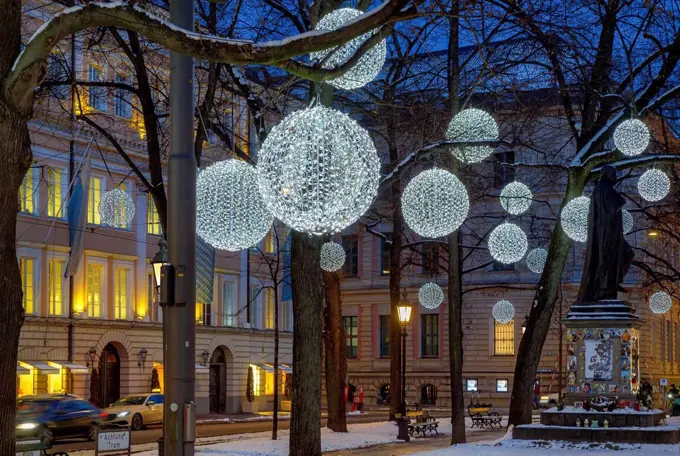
(483, 416)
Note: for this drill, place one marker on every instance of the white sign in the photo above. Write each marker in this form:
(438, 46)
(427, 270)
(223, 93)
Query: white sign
(29, 453)
(663, 381)
(113, 440)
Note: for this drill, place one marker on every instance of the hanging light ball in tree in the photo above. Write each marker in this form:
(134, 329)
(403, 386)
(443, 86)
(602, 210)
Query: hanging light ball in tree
(536, 259)
(435, 203)
(574, 218)
(631, 137)
(472, 125)
(516, 198)
(318, 170)
(503, 311)
(230, 213)
(660, 302)
(627, 221)
(653, 185)
(430, 295)
(370, 63)
(332, 256)
(116, 208)
(508, 243)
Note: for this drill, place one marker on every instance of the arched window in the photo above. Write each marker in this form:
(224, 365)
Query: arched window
(428, 395)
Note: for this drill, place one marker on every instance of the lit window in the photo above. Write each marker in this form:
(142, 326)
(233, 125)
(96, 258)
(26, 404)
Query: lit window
(153, 223)
(96, 95)
(27, 267)
(152, 301)
(122, 98)
(27, 194)
(471, 384)
(227, 303)
(504, 338)
(351, 325)
(93, 199)
(54, 193)
(94, 285)
(430, 335)
(55, 274)
(269, 309)
(121, 294)
(501, 386)
(269, 242)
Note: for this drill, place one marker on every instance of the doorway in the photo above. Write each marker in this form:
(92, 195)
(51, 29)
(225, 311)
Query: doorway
(218, 382)
(109, 368)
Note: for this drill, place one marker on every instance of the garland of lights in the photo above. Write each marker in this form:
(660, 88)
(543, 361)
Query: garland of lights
(536, 259)
(435, 203)
(516, 198)
(472, 125)
(574, 218)
(653, 185)
(332, 256)
(430, 295)
(631, 137)
(230, 213)
(370, 63)
(116, 208)
(503, 311)
(508, 243)
(318, 170)
(627, 221)
(660, 302)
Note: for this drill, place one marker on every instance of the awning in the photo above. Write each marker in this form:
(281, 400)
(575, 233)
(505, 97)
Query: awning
(270, 368)
(74, 368)
(22, 370)
(43, 367)
(286, 368)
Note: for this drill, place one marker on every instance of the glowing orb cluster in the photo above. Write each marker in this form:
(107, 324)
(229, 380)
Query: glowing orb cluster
(318, 170)
(430, 295)
(508, 243)
(627, 221)
(631, 137)
(516, 198)
(472, 125)
(332, 256)
(370, 63)
(653, 185)
(230, 213)
(536, 259)
(503, 311)
(660, 302)
(116, 208)
(435, 203)
(574, 218)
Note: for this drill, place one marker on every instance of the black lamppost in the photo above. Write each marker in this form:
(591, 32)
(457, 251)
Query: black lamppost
(159, 259)
(525, 323)
(404, 310)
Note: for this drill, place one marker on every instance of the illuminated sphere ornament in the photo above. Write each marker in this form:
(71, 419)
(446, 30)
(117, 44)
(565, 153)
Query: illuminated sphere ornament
(472, 125)
(627, 221)
(318, 170)
(332, 256)
(503, 311)
(116, 208)
(230, 213)
(435, 203)
(516, 198)
(430, 295)
(631, 137)
(508, 243)
(574, 218)
(653, 185)
(536, 259)
(370, 63)
(660, 302)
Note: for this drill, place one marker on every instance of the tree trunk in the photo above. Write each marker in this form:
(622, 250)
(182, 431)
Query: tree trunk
(305, 424)
(395, 285)
(335, 356)
(277, 375)
(455, 298)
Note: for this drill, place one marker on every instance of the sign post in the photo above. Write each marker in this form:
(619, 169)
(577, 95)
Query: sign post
(113, 442)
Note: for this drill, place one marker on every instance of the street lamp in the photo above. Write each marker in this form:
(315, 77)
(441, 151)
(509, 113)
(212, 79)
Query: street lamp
(206, 355)
(159, 260)
(93, 354)
(142, 357)
(525, 323)
(404, 310)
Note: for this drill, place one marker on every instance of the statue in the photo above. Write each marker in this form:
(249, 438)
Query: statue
(608, 255)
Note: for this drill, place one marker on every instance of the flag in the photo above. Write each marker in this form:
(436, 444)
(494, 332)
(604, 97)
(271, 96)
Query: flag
(77, 217)
(287, 292)
(205, 270)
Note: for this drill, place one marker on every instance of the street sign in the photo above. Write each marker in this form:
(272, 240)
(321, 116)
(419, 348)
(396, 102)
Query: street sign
(29, 453)
(30, 447)
(663, 381)
(109, 442)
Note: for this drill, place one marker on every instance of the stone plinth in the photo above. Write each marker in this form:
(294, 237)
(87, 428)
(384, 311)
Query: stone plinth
(658, 435)
(616, 419)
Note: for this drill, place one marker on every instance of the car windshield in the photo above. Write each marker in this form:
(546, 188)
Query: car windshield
(35, 406)
(130, 400)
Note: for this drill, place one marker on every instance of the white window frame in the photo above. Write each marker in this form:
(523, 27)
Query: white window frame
(102, 190)
(103, 287)
(35, 255)
(34, 174)
(130, 305)
(65, 291)
(229, 314)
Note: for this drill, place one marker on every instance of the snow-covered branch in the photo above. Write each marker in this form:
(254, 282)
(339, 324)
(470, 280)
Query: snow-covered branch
(636, 162)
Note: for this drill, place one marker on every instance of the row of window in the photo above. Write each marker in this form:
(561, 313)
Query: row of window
(472, 385)
(431, 256)
(669, 341)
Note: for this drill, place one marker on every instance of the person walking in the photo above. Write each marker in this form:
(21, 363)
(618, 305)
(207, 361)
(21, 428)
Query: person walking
(537, 393)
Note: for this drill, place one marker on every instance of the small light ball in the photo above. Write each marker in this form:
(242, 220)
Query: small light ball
(660, 302)
(503, 311)
(472, 125)
(369, 65)
(536, 259)
(508, 243)
(627, 221)
(332, 256)
(631, 137)
(230, 213)
(435, 203)
(431, 295)
(654, 185)
(516, 198)
(116, 208)
(574, 218)
(318, 170)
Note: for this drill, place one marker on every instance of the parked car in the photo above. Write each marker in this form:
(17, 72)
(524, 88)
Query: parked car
(136, 411)
(52, 417)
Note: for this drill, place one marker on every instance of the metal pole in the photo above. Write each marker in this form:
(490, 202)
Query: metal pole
(403, 370)
(179, 354)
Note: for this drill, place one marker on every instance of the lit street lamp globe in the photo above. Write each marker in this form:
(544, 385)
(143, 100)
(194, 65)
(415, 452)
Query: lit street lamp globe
(370, 63)
(516, 198)
(508, 243)
(116, 208)
(536, 259)
(430, 295)
(318, 170)
(574, 218)
(472, 125)
(653, 185)
(435, 203)
(332, 256)
(230, 213)
(660, 302)
(627, 221)
(631, 137)
(503, 311)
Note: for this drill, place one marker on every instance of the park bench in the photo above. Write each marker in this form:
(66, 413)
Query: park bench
(483, 416)
(420, 424)
(34, 448)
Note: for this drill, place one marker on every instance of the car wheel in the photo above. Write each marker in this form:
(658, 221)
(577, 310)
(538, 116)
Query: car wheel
(46, 436)
(92, 432)
(136, 424)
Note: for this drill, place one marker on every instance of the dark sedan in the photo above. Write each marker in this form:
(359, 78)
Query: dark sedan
(54, 417)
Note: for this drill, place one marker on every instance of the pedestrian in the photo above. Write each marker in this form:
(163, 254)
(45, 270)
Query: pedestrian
(673, 395)
(537, 394)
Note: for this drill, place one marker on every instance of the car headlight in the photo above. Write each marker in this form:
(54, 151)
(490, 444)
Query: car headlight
(123, 414)
(27, 426)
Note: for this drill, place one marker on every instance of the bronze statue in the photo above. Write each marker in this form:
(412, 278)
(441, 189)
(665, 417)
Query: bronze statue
(608, 255)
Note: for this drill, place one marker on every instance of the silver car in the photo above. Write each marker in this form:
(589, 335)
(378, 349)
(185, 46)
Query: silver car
(136, 411)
